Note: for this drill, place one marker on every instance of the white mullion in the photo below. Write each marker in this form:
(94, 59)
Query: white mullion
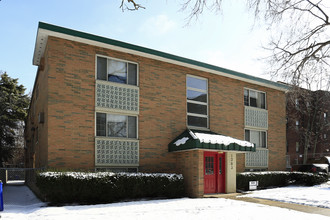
(126, 126)
(197, 115)
(197, 90)
(196, 102)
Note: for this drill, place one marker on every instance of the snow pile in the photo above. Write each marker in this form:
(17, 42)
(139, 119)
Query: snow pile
(318, 196)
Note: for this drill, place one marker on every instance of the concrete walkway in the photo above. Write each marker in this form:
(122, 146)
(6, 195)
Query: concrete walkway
(17, 195)
(293, 206)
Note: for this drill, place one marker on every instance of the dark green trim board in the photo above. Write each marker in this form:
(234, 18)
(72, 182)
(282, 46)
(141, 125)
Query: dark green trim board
(87, 36)
(192, 143)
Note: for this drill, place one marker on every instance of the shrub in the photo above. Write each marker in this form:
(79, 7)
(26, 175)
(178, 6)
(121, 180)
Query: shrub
(278, 179)
(96, 188)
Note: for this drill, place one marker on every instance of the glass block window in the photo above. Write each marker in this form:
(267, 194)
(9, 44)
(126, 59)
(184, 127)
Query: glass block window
(254, 98)
(113, 125)
(197, 102)
(116, 71)
(258, 138)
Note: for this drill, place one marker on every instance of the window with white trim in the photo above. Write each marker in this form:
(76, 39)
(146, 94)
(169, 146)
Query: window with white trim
(116, 71)
(113, 125)
(254, 98)
(197, 102)
(258, 138)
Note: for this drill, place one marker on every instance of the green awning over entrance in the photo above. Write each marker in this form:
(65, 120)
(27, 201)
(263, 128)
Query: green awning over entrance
(208, 140)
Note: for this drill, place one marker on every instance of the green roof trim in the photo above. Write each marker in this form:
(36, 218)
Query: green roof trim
(109, 41)
(192, 143)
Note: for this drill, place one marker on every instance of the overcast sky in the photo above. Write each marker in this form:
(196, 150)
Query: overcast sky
(225, 39)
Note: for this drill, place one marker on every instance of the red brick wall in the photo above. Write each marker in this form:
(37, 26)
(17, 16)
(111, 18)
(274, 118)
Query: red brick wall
(71, 100)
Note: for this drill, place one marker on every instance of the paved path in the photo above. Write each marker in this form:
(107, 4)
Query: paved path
(293, 206)
(16, 195)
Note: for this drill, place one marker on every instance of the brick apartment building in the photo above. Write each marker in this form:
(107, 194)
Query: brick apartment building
(102, 104)
(308, 126)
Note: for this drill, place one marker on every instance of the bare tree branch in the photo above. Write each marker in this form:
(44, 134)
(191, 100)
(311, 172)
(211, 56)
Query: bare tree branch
(135, 7)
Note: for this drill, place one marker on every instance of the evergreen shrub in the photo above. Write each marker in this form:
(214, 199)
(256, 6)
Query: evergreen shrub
(106, 187)
(279, 179)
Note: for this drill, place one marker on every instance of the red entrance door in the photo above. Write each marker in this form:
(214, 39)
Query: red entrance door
(214, 172)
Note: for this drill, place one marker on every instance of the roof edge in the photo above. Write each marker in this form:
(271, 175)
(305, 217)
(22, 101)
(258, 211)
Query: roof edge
(167, 56)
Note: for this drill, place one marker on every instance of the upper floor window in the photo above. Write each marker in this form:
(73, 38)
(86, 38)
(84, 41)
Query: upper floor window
(113, 125)
(197, 102)
(258, 138)
(254, 98)
(117, 71)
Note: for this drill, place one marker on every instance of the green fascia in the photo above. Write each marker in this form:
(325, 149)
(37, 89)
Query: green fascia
(88, 36)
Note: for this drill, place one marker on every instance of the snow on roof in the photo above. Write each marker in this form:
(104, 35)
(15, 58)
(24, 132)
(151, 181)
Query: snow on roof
(181, 141)
(213, 139)
(221, 139)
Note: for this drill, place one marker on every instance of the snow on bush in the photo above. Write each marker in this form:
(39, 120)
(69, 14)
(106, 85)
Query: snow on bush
(279, 178)
(105, 187)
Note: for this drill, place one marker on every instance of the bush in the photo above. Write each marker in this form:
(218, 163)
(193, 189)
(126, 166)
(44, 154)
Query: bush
(278, 179)
(96, 188)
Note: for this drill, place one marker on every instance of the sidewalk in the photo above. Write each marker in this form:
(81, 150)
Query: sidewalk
(293, 206)
(17, 195)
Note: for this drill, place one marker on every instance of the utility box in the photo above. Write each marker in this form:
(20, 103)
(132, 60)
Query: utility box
(253, 185)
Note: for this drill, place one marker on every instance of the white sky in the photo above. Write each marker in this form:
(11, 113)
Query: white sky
(226, 40)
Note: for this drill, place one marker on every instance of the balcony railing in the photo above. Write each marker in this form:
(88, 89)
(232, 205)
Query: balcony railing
(258, 159)
(256, 117)
(116, 152)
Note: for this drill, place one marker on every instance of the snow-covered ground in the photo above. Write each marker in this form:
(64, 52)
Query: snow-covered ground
(318, 196)
(20, 203)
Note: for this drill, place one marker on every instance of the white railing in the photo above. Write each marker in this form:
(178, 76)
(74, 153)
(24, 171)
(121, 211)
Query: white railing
(258, 159)
(256, 117)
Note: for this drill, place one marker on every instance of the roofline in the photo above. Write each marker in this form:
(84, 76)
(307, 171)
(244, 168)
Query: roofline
(45, 30)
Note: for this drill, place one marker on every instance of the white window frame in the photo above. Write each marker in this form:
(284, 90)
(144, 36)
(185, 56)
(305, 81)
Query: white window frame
(266, 136)
(106, 127)
(197, 102)
(257, 91)
(120, 60)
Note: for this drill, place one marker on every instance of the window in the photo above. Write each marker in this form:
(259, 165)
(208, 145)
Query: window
(116, 71)
(197, 102)
(325, 136)
(209, 165)
(111, 125)
(325, 114)
(297, 124)
(297, 147)
(254, 98)
(258, 138)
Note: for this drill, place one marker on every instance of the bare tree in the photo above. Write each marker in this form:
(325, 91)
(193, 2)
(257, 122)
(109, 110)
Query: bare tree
(300, 39)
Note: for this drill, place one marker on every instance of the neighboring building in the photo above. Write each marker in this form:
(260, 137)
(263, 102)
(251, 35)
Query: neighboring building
(308, 125)
(101, 104)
